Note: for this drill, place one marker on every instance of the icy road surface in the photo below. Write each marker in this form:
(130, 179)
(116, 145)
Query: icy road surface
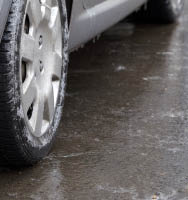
(124, 133)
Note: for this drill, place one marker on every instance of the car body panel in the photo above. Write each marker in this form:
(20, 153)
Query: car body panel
(4, 10)
(91, 3)
(88, 19)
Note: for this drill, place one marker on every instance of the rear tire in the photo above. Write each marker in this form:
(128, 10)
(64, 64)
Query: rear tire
(23, 141)
(162, 11)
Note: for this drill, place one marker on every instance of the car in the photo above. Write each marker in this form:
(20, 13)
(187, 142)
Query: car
(36, 37)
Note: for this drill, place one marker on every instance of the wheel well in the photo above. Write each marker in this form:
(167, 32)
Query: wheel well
(69, 9)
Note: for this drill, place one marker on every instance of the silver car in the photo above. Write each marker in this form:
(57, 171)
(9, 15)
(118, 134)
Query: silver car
(36, 37)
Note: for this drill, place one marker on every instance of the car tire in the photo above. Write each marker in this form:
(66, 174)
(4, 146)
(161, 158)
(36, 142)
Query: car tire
(33, 69)
(162, 11)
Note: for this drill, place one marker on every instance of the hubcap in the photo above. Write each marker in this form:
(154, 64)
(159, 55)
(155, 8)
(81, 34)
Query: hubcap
(41, 63)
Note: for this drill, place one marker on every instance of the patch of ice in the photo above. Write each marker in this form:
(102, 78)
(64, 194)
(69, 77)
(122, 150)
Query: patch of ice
(151, 78)
(76, 154)
(174, 150)
(144, 154)
(172, 76)
(172, 114)
(162, 196)
(97, 140)
(120, 68)
(12, 195)
(118, 190)
(168, 53)
(50, 187)
(73, 155)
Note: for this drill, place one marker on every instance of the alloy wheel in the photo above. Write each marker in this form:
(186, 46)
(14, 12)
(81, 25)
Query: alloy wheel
(41, 63)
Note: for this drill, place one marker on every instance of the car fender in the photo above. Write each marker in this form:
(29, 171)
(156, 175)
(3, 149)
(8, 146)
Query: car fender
(87, 22)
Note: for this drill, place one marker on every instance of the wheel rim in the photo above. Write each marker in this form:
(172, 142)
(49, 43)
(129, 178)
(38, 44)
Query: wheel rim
(41, 63)
(177, 5)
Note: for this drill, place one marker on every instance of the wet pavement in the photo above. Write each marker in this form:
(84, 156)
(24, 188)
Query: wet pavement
(124, 132)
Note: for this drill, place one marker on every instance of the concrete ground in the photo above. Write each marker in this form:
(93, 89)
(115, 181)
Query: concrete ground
(124, 132)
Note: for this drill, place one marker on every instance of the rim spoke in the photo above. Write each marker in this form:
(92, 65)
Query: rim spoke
(47, 14)
(29, 94)
(57, 65)
(50, 102)
(27, 47)
(55, 22)
(47, 3)
(34, 12)
(46, 10)
(39, 116)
